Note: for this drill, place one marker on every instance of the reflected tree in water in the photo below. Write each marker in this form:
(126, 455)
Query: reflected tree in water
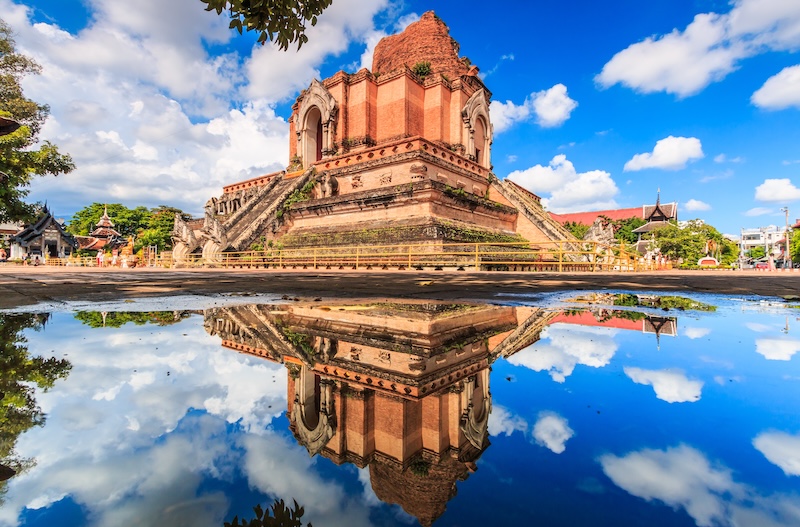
(98, 319)
(20, 373)
(279, 515)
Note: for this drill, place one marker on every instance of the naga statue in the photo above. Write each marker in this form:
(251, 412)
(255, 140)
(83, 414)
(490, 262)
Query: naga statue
(183, 238)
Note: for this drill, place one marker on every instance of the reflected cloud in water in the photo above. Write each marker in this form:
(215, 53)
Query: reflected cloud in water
(781, 449)
(777, 348)
(552, 431)
(671, 386)
(382, 414)
(683, 477)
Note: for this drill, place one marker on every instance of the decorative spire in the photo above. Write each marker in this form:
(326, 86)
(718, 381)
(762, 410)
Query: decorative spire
(105, 221)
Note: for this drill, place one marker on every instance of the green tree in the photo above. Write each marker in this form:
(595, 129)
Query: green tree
(19, 159)
(623, 229)
(690, 243)
(577, 229)
(149, 226)
(794, 246)
(158, 230)
(281, 21)
(95, 319)
(19, 373)
(757, 253)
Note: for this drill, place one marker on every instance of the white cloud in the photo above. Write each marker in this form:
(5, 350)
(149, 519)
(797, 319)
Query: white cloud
(511, 158)
(696, 333)
(696, 205)
(758, 211)
(777, 349)
(551, 108)
(780, 91)
(670, 385)
(568, 189)
(679, 476)
(563, 346)
(722, 158)
(670, 153)
(149, 116)
(780, 449)
(552, 431)
(503, 422)
(711, 46)
(777, 190)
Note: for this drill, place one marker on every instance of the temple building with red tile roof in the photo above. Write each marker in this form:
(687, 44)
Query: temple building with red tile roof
(104, 235)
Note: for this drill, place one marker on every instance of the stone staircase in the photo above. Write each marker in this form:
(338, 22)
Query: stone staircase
(526, 334)
(533, 210)
(247, 224)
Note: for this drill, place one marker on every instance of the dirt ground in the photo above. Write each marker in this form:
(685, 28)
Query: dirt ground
(24, 286)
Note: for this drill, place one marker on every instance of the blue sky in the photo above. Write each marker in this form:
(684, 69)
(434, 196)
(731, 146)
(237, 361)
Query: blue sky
(595, 105)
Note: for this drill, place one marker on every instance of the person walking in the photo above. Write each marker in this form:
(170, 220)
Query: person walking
(100, 258)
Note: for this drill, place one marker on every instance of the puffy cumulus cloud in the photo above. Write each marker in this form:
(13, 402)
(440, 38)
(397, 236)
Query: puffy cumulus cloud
(777, 349)
(696, 333)
(670, 386)
(670, 153)
(99, 445)
(552, 431)
(707, 50)
(553, 107)
(696, 205)
(781, 449)
(568, 189)
(150, 116)
(550, 108)
(507, 114)
(680, 477)
(777, 190)
(562, 347)
(503, 422)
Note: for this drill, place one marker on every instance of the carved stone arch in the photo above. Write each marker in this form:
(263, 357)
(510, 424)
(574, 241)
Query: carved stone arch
(477, 403)
(478, 128)
(316, 124)
(313, 412)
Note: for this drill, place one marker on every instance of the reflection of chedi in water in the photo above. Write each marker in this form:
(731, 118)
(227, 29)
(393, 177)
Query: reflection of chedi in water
(400, 387)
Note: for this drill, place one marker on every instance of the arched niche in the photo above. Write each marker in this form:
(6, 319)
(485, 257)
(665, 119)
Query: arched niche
(313, 412)
(478, 129)
(477, 404)
(316, 124)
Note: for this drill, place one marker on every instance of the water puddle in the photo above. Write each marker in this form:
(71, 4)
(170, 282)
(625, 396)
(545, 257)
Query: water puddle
(607, 408)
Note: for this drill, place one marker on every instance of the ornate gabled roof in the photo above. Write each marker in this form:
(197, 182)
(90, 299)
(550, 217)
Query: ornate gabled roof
(105, 227)
(36, 229)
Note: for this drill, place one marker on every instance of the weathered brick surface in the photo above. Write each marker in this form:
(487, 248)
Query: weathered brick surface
(427, 40)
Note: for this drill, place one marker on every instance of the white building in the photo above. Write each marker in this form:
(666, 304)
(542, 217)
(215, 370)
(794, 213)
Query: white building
(766, 237)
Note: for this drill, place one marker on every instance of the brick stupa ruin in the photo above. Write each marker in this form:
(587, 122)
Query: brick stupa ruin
(399, 154)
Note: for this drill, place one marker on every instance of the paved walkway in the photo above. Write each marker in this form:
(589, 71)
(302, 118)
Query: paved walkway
(21, 286)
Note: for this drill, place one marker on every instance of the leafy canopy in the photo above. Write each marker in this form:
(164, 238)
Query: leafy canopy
(149, 226)
(20, 373)
(689, 244)
(281, 21)
(19, 159)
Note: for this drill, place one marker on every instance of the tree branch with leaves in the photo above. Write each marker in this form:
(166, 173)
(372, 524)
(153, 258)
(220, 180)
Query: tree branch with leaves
(19, 159)
(281, 21)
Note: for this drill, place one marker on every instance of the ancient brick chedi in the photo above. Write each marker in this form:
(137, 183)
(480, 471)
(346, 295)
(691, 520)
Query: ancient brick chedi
(398, 154)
